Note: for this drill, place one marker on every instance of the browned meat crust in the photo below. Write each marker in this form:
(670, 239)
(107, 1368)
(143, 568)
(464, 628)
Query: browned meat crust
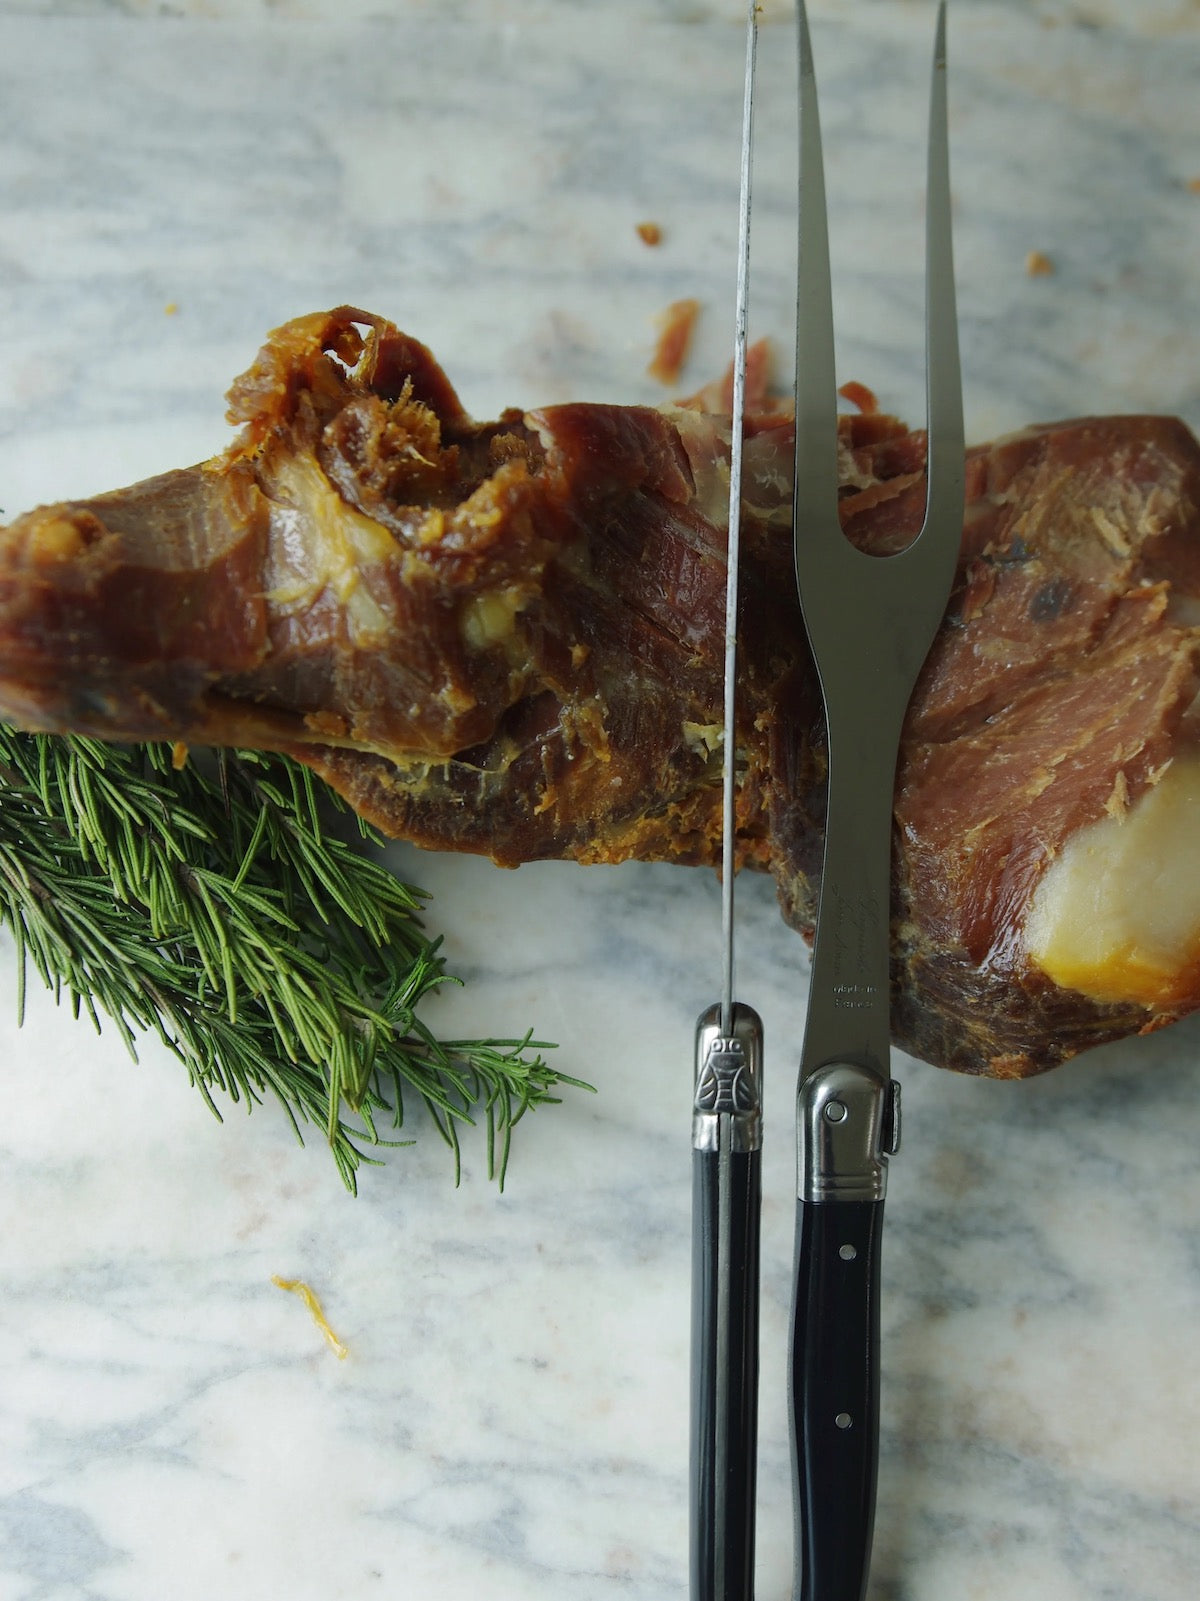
(506, 638)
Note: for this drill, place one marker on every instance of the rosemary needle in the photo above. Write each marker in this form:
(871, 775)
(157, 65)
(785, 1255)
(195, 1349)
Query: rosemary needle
(209, 905)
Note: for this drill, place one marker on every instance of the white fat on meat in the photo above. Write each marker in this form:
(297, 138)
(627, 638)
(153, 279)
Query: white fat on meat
(1116, 915)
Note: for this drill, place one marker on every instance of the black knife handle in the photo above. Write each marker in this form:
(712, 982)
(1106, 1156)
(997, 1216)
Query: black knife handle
(726, 1191)
(835, 1395)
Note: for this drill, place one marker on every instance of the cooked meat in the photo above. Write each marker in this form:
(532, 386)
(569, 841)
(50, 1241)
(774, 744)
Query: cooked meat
(507, 638)
(677, 325)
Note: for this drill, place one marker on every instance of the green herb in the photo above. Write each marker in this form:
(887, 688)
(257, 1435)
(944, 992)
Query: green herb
(212, 906)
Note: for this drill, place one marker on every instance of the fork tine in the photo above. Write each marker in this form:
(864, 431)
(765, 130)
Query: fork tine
(816, 384)
(943, 377)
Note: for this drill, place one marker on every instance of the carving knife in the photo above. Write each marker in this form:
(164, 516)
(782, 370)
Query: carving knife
(727, 1119)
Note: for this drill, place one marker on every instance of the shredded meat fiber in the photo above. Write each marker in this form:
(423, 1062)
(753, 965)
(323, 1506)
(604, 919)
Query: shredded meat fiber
(507, 638)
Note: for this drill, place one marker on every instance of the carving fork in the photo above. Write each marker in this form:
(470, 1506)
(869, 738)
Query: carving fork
(870, 622)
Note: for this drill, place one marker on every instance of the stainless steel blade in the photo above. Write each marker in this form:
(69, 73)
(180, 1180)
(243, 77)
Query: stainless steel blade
(729, 740)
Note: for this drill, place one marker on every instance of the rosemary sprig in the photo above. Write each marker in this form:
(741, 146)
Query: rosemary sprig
(210, 905)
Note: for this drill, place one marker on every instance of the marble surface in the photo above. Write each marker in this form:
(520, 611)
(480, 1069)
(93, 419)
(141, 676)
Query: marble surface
(511, 1420)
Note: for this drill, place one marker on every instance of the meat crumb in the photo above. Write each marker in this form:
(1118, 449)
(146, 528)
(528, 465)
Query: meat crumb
(1194, 186)
(676, 325)
(717, 396)
(649, 233)
(316, 1311)
(862, 397)
(1038, 264)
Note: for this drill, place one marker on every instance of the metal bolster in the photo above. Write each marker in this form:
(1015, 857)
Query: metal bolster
(728, 1081)
(847, 1125)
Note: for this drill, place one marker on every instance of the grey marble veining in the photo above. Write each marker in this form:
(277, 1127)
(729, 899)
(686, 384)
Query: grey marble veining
(511, 1421)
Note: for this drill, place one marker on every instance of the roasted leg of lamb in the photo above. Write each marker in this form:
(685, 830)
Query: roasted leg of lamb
(507, 638)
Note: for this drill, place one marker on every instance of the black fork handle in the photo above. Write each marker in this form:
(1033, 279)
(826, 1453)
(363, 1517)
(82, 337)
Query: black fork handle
(835, 1395)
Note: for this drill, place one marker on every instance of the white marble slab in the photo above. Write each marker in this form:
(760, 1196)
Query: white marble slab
(512, 1418)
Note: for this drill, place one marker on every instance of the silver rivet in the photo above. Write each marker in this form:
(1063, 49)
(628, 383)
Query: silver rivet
(847, 1253)
(834, 1111)
(843, 1420)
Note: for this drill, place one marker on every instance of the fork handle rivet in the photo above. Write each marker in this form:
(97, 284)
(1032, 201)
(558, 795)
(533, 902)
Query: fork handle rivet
(835, 1111)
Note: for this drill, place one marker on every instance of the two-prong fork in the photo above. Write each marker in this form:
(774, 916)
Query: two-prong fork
(870, 622)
